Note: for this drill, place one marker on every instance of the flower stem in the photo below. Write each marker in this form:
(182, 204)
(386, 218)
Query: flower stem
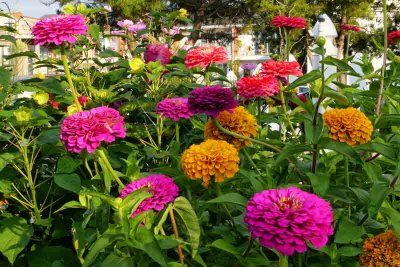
(286, 113)
(219, 193)
(225, 131)
(251, 160)
(385, 49)
(346, 176)
(176, 233)
(177, 132)
(69, 78)
(283, 260)
(259, 110)
(348, 45)
(102, 155)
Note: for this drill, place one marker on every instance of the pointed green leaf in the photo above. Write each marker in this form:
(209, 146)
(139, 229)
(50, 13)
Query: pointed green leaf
(305, 79)
(234, 198)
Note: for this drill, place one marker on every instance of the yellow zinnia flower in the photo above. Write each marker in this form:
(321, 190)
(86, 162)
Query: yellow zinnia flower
(136, 65)
(182, 13)
(212, 157)
(239, 120)
(381, 250)
(348, 125)
(23, 114)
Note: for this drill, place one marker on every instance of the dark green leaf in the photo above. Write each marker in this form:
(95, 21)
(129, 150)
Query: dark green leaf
(344, 149)
(94, 31)
(348, 251)
(5, 77)
(66, 164)
(9, 38)
(22, 54)
(49, 136)
(108, 53)
(379, 192)
(319, 182)
(53, 86)
(341, 65)
(70, 182)
(70, 205)
(305, 79)
(291, 150)
(234, 198)
(227, 247)
(53, 256)
(348, 232)
(394, 216)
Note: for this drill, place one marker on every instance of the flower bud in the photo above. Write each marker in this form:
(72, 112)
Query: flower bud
(23, 114)
(182, 13)
(137, 65)
(41, 98)
(72, 109)
(321, 41)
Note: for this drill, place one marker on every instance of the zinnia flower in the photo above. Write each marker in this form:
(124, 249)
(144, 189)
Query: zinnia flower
(348, 125)
(204, 56)
(162, 188)
(239, 121)
(173, 31)
(87, 129)
(394, 37)
(281, 68)
(286, 219)
(248, 66)
(108, 8)
(212, 157)
(381, 250)
(157, 52)
(290, 22)
(135, 28)
(174, 108)
(211, 100)
(125, 23)
(54, 104)
(57, 29)
(352, 28)
(258, 86)
(83, 100)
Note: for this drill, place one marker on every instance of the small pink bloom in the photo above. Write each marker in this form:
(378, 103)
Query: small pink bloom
(135, 28)
(174, 108)
(125, 23)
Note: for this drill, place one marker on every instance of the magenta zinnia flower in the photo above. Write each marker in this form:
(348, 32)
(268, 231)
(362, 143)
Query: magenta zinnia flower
(87, 129)
(211, 100)
(163, 190)
(57, 29)
(258, 86)
(285, 219)
(174, 108)
(157, 52)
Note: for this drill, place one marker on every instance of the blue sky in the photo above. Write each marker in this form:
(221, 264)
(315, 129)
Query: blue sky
(31, 8)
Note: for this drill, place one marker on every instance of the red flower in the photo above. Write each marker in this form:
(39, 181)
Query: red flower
(82, 100)
(281, 68)
(347, 27)
(258, 86)
(204, 56)
(54, 104)
(394, 37)
(290, 22)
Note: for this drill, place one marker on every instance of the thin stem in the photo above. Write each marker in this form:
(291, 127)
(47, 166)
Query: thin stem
(177, 132)
(348, 45)
(248, 249)
(251, 160)
(219, 193)
(103, 156)
(69, 78)
(225, 131)
(283, 260)
(175, 228)
(259, 110)
(394, 181)
(346, 177)
(385, 49)
(286, 112)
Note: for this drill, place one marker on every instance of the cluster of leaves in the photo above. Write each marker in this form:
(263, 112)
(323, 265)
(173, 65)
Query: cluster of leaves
(64, 210)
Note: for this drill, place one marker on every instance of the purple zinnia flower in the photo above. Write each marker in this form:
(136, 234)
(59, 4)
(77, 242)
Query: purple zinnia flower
(174, 108)
(248, 66)
(117, 32)
(139, 26)
(211, 100)
(173, 31)
(125, 23)
(285, 219)
(87, 129)
(157, 52)
(57, 29)
(163, 190)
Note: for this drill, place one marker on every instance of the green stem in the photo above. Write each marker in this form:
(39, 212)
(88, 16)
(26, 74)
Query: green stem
(283, 260)
(225, 131)
(348, 45)
(385, 50)
(346, 176)
(286, 115)
(299, 260)
(207, 77)
(69, 78)
(251, 160)
(259, 110)
(219, 193)
(287, 45)
(177, 132)
(28, 169)
(102, 155)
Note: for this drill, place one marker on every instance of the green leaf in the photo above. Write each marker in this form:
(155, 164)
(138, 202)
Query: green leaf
(387, 120)
(70, 182)
(348, 251)
(94, 31)
(49, 136)
(9, 38)
(234, 198)
(382, 149)
(71, 205)
(341, 65)
(112, 234)
(336, 95)
(319, 182)
(227, 247)
(66, 164)
(5, 159)
(15, 234)
(146, 242)
(189, 218)
(394, 216)
(118, 261)
(53, 86)
(5, 77)
(344, 149)
(305, 79)
(291, 150)
(53, 256)
(30, 54)
(379, 192)
(348, 232)
(108, 53)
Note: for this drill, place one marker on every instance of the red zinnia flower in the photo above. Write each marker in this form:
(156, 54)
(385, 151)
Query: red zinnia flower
(290, 22)
(204, 56)
(258, 86)
(82, 100)
(54, 104)
(281, 68)
(394, 37)
(347, 27)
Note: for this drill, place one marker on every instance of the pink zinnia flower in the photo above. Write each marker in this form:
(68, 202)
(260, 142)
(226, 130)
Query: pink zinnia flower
(87, 129)
(125, 23)
(162, 188)
(174, 108)
(281, 68)
(204, 56)
(289, 22)
(286, 219)
(173, 31)
(211, 100)
(108, 8)
(83, 100)
(117, 32)
(57, 29)
(135, 28)
(248, 66)
(347, 27)
(258, 86)
(394, 37)
(157, 52)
